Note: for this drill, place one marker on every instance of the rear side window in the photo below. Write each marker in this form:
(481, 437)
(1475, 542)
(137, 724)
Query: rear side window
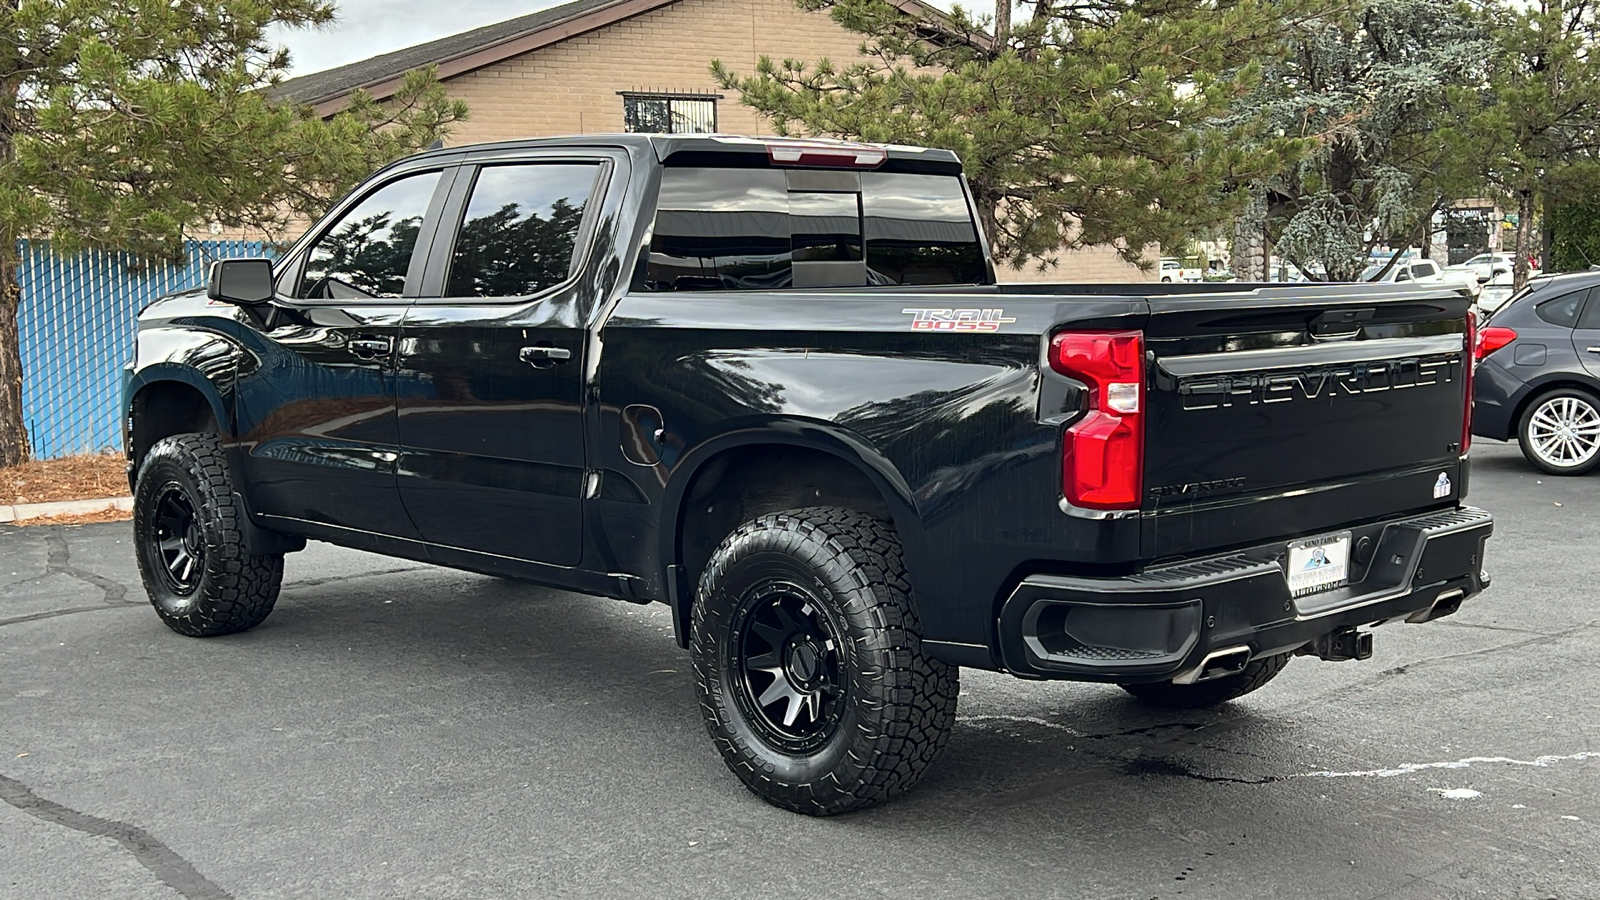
(752, 229)
(1562, 310)
(1423, 270)
(520, 230)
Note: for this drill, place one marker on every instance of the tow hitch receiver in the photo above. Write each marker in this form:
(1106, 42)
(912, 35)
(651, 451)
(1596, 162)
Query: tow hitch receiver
(1346, 643)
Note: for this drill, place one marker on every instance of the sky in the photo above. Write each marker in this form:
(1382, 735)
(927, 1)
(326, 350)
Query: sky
(370, 27)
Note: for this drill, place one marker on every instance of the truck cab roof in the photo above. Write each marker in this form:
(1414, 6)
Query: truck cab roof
(688, 149)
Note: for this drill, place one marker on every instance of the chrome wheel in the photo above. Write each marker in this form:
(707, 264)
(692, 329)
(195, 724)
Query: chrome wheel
(1564, 432)
(787, 673)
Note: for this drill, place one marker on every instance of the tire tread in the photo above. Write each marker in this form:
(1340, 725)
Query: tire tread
(238, 589)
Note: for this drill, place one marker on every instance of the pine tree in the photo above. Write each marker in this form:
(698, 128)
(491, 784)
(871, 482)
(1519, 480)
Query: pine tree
(122, 122)
(1534, 134)
(1369, 89)
(1089, 122)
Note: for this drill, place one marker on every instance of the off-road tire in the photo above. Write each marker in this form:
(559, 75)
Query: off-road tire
(228, 589)
(894, 705)
(1584, 404)
(1165, 694)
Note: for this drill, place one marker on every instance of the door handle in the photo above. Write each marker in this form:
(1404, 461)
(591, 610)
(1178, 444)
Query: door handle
(370, 347)
(1594, 349)
(543, 357)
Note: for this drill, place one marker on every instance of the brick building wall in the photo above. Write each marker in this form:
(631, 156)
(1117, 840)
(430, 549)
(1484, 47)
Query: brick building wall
(571, 87)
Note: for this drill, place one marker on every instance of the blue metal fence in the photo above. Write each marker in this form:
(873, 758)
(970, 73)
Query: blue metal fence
(76, 326)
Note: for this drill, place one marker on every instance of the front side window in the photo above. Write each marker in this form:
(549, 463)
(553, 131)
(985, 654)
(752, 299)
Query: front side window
(366, 254)
(669, 114)
(519, 233)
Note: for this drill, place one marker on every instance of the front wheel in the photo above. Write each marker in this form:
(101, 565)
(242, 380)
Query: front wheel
(809, 665)
(188, 531)
(1560, 432)
(1165, 694)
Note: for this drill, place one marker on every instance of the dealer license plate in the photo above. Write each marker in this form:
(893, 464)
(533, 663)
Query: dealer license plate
(1318, 564)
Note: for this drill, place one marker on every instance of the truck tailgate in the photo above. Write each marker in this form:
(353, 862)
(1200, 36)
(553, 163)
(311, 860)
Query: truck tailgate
(1279, 412)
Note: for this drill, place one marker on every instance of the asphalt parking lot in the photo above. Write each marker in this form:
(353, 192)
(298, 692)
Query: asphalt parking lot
(397, 730)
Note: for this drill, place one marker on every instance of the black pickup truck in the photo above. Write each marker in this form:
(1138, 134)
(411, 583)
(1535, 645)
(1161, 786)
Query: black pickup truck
(774, 385)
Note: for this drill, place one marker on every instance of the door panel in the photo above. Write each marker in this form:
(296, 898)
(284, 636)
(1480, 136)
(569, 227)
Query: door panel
(317, 398)
(491, 375)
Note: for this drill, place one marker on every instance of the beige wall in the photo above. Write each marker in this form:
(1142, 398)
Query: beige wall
(571, 87)
(1093, 265)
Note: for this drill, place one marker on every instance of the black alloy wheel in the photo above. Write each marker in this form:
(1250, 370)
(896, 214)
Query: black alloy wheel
(787, 668)
(179, 541)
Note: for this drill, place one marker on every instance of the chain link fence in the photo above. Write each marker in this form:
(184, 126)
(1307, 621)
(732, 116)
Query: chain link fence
(76, 328)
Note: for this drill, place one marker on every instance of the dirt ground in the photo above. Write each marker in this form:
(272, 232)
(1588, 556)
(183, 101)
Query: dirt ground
(89, 477)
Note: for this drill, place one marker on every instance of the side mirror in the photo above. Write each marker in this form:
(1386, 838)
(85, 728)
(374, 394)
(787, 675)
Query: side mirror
(245, 282)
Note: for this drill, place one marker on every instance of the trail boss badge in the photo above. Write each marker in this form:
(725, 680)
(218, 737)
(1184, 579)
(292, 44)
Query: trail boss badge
(957, 319)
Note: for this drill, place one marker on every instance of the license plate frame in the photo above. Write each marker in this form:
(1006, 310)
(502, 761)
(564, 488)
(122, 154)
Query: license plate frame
(1308, 571)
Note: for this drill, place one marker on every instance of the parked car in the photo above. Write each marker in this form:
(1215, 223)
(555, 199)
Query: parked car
(1417, 271)
(1493, 273)
(1486, 266)
(1538, 373)
(1173, 270)
(774, 385)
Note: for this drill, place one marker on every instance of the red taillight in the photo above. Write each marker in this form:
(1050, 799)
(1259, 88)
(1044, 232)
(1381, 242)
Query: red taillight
(1490, 339)
(1102, 455)
(796, 153)
(1474, 341)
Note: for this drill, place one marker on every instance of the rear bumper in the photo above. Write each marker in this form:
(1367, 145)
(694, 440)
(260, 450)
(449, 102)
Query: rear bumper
(1164, 622)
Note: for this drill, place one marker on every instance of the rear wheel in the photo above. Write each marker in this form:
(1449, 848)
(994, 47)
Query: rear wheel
(189, 540)
(1560, 432)
(1165, 694)
(809, 665)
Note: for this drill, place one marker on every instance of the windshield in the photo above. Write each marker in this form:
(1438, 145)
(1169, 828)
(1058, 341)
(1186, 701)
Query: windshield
(1370, 273)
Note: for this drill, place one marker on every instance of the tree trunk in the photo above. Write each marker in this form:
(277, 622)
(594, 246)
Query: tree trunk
(1002, 21)
(1519, 265)
(989, 220)
(14, 447)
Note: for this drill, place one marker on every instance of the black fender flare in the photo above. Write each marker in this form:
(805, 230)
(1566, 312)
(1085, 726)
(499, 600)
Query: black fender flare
(782, 431)
(163, 372)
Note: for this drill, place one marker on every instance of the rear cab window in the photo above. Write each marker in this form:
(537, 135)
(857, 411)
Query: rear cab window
(763, 229)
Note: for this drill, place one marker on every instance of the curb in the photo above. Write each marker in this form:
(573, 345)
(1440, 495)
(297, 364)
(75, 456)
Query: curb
(24, 511)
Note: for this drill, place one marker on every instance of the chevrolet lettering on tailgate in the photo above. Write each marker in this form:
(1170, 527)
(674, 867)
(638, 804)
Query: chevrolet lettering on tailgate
(1329, 382)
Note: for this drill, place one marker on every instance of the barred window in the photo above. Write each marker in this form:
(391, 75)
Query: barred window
(669, 113)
